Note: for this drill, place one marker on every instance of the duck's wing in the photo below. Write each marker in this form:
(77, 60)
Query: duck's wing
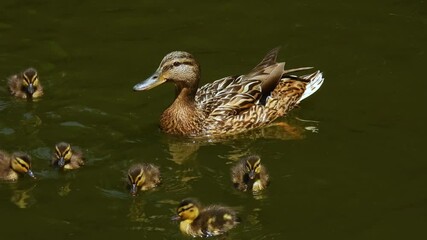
(233, 94)
(228, 95)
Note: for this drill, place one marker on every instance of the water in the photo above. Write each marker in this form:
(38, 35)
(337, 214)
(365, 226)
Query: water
(360, 176)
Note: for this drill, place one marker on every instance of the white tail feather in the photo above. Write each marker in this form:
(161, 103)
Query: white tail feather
(316, 80)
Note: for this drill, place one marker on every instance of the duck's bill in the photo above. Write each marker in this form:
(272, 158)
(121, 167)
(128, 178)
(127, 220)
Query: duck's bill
(149, 83)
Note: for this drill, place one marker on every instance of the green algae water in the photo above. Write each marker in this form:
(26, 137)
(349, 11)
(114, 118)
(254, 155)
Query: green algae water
(349, 166)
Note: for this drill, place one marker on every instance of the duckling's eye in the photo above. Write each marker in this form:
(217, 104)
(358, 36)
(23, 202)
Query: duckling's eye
(26, 82)
(176, 64)
(35, 80)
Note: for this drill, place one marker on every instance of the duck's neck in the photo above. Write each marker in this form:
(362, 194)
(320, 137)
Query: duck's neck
(182, 117)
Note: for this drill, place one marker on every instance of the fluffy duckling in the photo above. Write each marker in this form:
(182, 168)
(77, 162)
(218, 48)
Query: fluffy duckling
(205, 222)
(143, 176)
(249, 174)
(12, 166)
(67, 158)
(26, 84)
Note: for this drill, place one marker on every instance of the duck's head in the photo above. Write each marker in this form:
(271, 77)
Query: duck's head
(30, 81)
(188, 209)
(21, 163)
(253, 166)
(136, 178)
(63, 154)
(178, 67)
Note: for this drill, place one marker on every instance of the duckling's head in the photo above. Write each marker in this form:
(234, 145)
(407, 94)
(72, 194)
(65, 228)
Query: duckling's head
(63, 154)
(178, 67)
(21, 163)
(136, 177)
(30, 81)
(253, 166)
(188, 209)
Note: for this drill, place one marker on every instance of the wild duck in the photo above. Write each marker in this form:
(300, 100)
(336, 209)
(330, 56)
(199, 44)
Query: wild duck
(11, 167)
(209, 221)
(67, 158)
(26, 84)
(143, 176)
(249, 174)
(232, 104)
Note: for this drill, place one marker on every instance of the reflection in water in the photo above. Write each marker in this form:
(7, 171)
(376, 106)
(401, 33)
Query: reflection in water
(136, 211)
(184, 149)
(23, 198)
(181, 181)
(31, 122)
(64, 190)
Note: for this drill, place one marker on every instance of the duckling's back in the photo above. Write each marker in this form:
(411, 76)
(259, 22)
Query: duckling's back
(215, 220)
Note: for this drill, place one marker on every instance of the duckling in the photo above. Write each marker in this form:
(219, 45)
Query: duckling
(205, 222)
(249, 174)
(143, 176)
(12, 166)
(26, 84)
(66, 158)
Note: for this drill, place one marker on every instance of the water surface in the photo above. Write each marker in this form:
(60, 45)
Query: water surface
(360, 175)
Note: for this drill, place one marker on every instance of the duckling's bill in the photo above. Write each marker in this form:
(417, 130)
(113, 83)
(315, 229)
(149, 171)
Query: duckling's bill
(31, 174)
(61, 162)
(133, 189)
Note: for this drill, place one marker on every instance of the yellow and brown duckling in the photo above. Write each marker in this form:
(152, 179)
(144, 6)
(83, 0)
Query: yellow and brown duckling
(67, 158)
(26, 84)
(12, 166)
(249, 175)
(232, 104)
(143, 176)
(209, 221)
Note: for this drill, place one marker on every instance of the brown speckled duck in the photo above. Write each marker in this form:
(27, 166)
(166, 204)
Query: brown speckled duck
(26, 84)
(67, 158)
(232, 104)
(143, 176)
(204, 222)
(249, 174)
(13, 166)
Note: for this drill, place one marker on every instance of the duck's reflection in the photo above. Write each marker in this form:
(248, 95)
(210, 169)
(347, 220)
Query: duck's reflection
(184, 149)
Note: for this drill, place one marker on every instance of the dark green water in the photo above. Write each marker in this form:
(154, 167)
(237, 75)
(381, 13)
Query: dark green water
(361, 176)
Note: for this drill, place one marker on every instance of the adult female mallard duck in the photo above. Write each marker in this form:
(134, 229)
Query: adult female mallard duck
(12, 166)
(232, 104)
(143, 176)
(67, 158)
(249, 174)
(205, 222)
(26, 84)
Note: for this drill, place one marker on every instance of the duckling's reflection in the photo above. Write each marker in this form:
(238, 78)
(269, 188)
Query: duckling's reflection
(64, 190)
(143, 221)
(136, 211)
(23, 198)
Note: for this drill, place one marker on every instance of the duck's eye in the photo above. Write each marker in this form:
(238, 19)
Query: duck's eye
(176, 64)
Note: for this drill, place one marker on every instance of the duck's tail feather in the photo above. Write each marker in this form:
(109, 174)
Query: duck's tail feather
(315, 81)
